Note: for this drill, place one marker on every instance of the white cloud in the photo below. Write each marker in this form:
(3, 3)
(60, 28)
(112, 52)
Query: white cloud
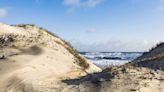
(93, 3)
(73, 4)
(3, 12)
(115, 45)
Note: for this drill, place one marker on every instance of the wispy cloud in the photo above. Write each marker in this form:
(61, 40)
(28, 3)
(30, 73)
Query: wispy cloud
(115, 45)
(91, 30)
(3, 12)
(74, 4)
(82, 3)
(93, 3)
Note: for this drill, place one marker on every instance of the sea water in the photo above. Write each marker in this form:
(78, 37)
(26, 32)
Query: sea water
(107, 59)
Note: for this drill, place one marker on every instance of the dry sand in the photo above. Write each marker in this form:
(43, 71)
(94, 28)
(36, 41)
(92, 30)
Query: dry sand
(30, 57)
(34, 60)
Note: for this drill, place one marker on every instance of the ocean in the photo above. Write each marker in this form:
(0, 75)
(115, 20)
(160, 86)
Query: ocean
(107, 59)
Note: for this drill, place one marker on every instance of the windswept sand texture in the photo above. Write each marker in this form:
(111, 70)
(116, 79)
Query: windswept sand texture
(34, 60)
(145, 74)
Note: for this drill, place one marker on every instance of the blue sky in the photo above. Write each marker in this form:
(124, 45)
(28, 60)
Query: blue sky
(93, 25)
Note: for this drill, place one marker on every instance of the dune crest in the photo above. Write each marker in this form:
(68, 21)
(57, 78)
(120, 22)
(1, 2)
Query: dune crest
(145, 74)
(35, 60)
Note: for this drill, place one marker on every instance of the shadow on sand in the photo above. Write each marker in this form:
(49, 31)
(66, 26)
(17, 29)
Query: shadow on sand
(95, 78)
(154, 64)
(34, 50)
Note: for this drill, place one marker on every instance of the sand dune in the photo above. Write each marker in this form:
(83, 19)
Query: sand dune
(143, 75)
(34, 60)
(30, 57)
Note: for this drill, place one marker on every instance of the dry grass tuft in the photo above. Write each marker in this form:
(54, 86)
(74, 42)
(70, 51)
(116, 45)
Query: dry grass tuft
(81, 61)
(5, 40)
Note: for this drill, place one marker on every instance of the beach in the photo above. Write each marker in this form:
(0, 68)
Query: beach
(34, 60)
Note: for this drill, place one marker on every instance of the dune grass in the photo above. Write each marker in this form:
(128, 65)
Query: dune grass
(79, 59)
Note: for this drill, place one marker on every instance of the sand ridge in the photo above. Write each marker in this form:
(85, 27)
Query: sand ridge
(31, 56)
(34, 60)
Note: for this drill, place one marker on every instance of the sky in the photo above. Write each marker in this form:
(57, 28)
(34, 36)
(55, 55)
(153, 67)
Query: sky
(93, 25)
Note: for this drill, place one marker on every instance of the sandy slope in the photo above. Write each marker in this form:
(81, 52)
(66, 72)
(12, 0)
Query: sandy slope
(119, 79)
(146, 74)
(32, 59)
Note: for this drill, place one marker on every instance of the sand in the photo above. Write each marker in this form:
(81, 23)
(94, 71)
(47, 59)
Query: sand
(31, 57)
(35, 60)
